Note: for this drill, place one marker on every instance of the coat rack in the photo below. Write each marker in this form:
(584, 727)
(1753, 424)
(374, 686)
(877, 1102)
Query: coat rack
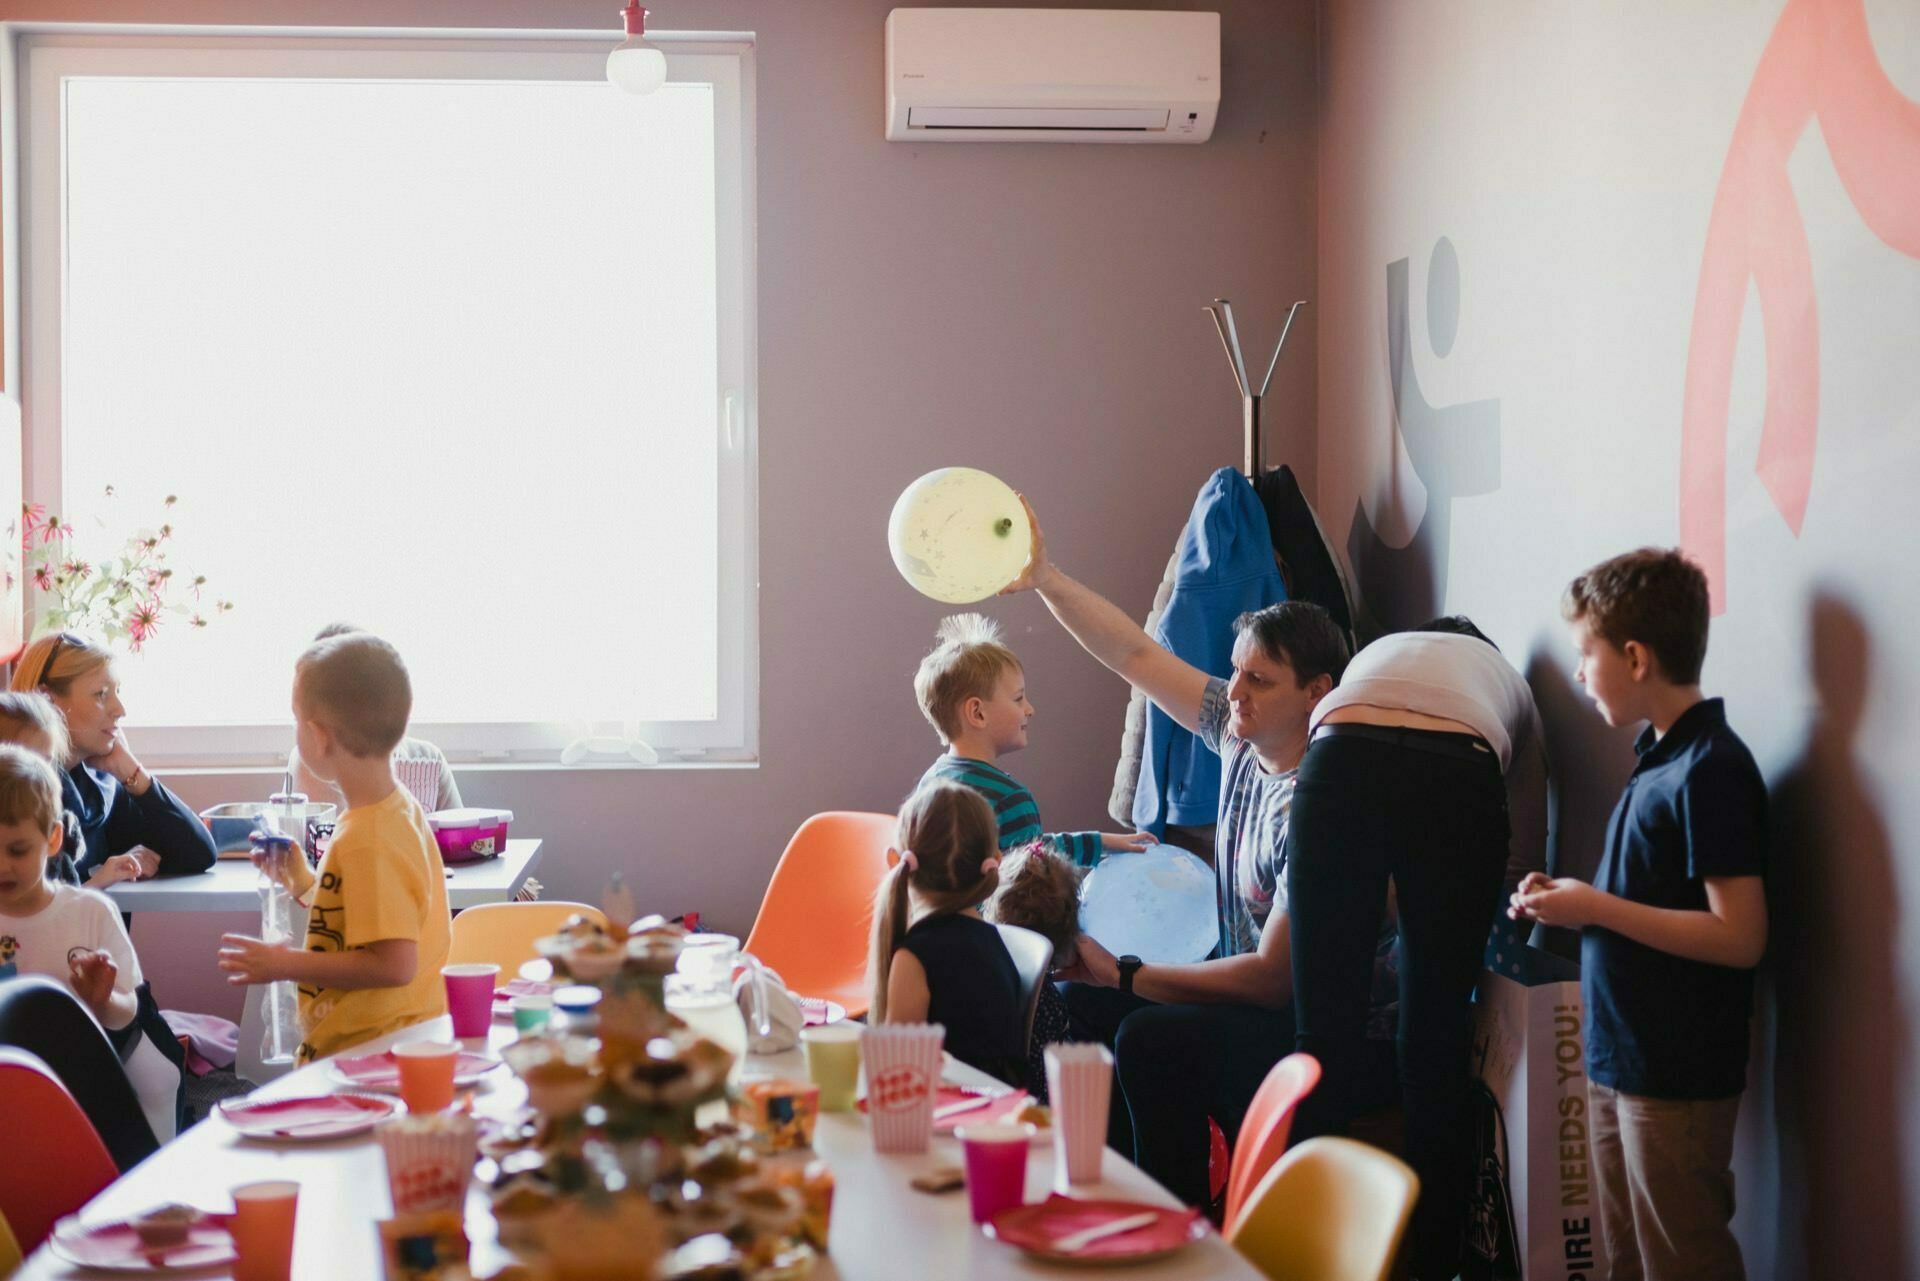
(1222, 312)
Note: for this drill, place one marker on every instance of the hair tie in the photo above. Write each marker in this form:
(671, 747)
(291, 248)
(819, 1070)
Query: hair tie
(991, 865)
(908, 861)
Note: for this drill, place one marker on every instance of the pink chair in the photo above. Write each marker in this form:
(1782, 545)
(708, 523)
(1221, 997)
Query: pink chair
(55, 1162)
(1263, 1135)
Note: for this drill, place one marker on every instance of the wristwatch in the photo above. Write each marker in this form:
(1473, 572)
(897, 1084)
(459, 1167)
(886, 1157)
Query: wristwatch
(1129, 966)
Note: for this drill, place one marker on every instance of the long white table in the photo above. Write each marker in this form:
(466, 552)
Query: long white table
(882, 1229)
(233, 884)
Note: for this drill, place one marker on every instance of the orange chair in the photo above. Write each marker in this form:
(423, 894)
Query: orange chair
(503, 933)
(1263, 1135)
(55, 1162)
(815, 922)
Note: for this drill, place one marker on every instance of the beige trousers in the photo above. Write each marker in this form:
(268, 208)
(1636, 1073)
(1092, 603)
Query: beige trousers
(1666, 1186)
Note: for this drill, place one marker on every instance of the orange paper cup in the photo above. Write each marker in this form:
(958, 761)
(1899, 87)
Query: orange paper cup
(262, 1229)
(426, 1074)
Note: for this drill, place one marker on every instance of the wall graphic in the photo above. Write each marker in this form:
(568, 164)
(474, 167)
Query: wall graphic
(1455, 450)
(1819, 66)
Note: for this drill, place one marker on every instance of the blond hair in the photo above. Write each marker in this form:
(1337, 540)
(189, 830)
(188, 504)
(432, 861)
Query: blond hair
(1039, 891)
(34, 712)
(967, 660)
(949, 857)
(29, 789)
(356, 686)
(55, 662)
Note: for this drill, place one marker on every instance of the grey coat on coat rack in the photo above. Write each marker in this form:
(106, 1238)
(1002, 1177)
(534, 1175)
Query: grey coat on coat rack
(1222, 312)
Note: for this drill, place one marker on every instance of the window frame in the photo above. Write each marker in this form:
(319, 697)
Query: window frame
(35, 61)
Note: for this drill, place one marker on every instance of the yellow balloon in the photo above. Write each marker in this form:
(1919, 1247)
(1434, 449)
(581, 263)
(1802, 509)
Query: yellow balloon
(959, 535)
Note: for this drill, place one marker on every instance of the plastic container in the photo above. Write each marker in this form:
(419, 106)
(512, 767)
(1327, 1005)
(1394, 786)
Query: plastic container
(233, 823)
(470, 835)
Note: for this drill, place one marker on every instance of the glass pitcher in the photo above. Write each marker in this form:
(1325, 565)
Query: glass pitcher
(700, 993)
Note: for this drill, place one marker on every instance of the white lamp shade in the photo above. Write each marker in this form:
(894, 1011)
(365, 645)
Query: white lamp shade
(959, 535)
(637, 67)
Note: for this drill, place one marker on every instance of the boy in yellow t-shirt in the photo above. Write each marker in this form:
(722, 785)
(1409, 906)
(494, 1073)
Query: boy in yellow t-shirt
(378, 932)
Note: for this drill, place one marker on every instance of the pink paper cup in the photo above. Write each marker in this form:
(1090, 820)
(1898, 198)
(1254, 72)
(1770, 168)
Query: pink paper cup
(1080, 1081)
(903, 1075)
(470, 997)
(996, 1157)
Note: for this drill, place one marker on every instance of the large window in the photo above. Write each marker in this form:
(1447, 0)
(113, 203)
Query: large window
(447, 338)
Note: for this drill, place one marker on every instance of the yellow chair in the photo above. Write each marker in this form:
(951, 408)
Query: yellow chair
(1331, 1209)
(9, 1250)
(503, 933)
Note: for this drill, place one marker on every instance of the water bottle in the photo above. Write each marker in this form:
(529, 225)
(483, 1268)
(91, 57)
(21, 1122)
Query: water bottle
(280, 1002)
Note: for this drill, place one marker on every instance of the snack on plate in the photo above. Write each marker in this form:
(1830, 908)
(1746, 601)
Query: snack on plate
(1036, 1114)
(815, 1184)
(424, 1247)
(166, 1224)
(558, 1072)
(603, 1238)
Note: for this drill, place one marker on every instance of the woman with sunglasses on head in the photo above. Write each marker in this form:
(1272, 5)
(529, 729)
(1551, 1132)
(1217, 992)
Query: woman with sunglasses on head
(122, 809)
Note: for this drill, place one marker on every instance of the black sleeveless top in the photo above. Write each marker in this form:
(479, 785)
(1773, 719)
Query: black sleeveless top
(975, 993)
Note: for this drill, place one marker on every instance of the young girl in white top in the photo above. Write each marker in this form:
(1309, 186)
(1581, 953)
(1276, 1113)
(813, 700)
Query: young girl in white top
(66, 933)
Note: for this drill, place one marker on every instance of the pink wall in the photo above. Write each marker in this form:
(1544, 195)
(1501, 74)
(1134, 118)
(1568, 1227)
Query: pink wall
(1665, 257)
(1033, 310)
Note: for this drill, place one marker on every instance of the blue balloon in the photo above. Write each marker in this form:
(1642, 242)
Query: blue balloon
(1157, 905)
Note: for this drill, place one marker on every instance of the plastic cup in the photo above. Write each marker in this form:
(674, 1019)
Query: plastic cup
(996, 1157)
(903, 1075)
(470, 997)
(262, 1230)
(1079, 1081)
(833, 1063)
(531, 1012)
(426, 1074)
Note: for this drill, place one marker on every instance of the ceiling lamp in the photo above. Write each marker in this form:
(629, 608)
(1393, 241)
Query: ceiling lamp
(636, 66)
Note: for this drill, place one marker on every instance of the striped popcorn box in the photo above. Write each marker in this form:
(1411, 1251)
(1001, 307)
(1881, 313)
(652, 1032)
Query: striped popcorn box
(1079, 1079)
(422, 779)
(903, 1075)
(429, 1160)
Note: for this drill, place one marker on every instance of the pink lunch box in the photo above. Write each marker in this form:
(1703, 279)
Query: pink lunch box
(470, 835)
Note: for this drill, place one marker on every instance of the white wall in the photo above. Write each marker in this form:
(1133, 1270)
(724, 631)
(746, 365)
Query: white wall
(1570, 155)
(1033, 310)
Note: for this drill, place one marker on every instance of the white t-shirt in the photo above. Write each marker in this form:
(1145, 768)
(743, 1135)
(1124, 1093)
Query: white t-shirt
(39, 944)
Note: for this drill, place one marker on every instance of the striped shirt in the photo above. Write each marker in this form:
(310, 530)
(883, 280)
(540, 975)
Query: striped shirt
(1013, 808)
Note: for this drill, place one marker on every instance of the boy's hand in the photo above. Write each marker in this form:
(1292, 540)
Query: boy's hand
(247, 960)
(1092, 963)
(1039, 568)
(1564, 902)
(92, 974)
(112, 871)
(277, 859)
(1126, 842)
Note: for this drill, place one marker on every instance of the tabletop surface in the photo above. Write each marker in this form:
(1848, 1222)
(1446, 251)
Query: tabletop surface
(881, 1227)
(233, 884)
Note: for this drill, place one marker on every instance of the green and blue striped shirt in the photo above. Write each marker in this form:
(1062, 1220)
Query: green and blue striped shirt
(1013, 807)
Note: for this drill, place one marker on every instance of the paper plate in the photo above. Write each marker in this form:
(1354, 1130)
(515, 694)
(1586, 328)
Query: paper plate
(306, 1120)
(382, 1071)
(116, 1247)
(1035, 1228)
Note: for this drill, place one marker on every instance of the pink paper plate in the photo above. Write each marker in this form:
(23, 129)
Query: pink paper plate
(117, 1247)
(382, 1071)
(1035, 1228)
(1004, 1104)
(504, 994)
(818, 1012)
(306, 1120)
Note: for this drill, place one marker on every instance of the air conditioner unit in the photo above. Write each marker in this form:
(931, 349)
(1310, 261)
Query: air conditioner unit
(1051, 75)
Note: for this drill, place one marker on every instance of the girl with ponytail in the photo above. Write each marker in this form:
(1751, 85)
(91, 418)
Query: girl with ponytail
(934, 959)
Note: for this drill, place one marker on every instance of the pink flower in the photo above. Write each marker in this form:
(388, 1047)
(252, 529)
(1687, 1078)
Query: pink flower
(143, 622)
(32, 515)
(43, 578)
(54, 530)
(76, 569)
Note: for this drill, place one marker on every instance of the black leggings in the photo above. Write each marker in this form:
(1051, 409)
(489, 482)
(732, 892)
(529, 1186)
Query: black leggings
(1177, 1065)
(1429, 812)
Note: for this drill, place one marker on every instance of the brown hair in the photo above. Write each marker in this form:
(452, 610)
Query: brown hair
(1040, 891)
(968, 658)
(1655, 596)
(949, 857)
(356, 685)
(25, 712)
(55, 662)
(29, 789)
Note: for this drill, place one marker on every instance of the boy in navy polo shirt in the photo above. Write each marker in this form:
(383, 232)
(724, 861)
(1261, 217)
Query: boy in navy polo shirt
(1671, 928)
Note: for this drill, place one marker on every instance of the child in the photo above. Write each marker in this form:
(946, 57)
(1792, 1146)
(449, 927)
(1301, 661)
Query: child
(1040, 891)
(950, 967)
(378, 932)
(421, 766)
(33, 722)
(974, 693)
(69, 934)
(1672, 926)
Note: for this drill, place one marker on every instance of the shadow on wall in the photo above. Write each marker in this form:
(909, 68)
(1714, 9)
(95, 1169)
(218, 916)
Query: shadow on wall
(1843, 1040)
(1590, 761)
